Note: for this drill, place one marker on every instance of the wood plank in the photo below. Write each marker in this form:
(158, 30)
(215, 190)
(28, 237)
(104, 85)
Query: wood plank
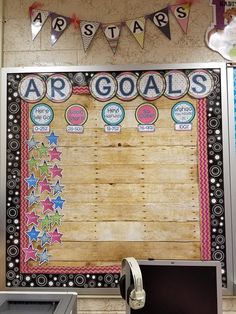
(129, 155)
(108, 173)
(105, 253)
(130, 193)
(130, 137)
(78, 211)
(130, 231)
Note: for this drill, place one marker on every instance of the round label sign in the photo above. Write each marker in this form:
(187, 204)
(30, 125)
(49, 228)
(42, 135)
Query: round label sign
(183, 112)
(146, 113)
(32, 88)
(113, 113)
(41, 114)
(76, 115)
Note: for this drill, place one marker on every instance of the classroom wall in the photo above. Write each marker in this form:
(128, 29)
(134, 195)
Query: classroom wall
(19, 50)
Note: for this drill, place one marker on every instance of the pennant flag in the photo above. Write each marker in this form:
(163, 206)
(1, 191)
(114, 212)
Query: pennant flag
(59, 24)
(181, 13)
(137, 28)
(38, 18)
(112, 33)
(161, 20)
(88, 31)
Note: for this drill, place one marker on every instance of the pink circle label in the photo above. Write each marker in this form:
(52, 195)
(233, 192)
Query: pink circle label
(146, 114)
(76, 115)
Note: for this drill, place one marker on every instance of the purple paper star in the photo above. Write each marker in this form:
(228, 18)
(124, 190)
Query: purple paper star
(47, 205)
(30, 253)
(44, 186)
(32, 218)
(55, 236)
(56, 171)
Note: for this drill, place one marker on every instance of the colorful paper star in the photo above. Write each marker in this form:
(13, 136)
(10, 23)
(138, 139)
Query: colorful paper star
(45, 239)
(30, 253)
(31, 181)
(43, 150)
(56, 171)
(46, 223)
(55, 236)
(47, 205)
(52, 138)
(54, 154)
(32, 199)
(56, 219)
(32, 218)
(57, 188)
(33, 234)
(58, 202)
(32, 163)
(44, 186)
(32, 144)
(43, 257)
(44, 168)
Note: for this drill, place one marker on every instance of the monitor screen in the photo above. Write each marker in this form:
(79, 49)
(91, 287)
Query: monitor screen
(180, 287)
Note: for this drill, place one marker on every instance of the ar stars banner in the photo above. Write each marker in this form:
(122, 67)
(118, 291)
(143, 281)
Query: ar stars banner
(112, 31)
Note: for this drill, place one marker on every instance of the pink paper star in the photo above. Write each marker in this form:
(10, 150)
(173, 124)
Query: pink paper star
(32, 218)
(30, 253)
(54, 154)
(56, 171)
(44, 186)
(47, 205)
(55, 236)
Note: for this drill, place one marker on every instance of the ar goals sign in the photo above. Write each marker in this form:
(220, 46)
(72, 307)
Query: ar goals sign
(105, 163)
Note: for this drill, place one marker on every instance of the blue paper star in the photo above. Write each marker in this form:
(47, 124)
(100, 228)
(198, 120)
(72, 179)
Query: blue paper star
(32, 198)
(33, 234)
(31, 181)
(57, 188)
(32, 143)
(43, 257)
(58, 202)
(45, 239)
(52, 138)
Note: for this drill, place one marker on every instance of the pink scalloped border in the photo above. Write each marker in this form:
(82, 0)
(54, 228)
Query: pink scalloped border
(204, 181)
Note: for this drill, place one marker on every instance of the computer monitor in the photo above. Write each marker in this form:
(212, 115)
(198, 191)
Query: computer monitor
(179, 287)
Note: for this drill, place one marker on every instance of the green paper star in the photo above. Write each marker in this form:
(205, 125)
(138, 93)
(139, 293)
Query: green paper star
(46, 222)
(44, 168)
(56, 219)
(33, 163)
(43, 150)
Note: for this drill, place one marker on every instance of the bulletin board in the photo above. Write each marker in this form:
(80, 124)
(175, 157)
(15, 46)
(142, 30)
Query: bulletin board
(105, 163)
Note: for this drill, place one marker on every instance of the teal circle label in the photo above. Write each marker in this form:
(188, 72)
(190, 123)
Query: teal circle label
(183, 112)
(41, 114)
(113, 113)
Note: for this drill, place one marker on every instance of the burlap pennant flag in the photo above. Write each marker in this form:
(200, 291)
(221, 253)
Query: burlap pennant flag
(59, 24)
(161, 20)
(88, 31)
(137, 28)
(112, 33)
(38, 18)
(181, 13)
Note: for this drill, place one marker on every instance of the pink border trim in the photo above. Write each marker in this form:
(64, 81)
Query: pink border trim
(24, 266)
(204, 181)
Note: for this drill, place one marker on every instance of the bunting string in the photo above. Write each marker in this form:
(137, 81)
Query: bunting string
(137, 26)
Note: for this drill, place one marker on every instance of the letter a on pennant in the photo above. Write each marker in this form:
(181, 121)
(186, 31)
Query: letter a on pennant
(88, 31)
(161, 20)
(112, 33)
(59, 24)
(38, 18)
(181, 13)
(137, 28)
